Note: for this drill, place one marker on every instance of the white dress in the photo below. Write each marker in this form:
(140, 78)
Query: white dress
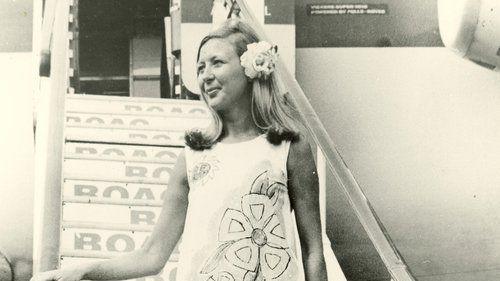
(239, 224)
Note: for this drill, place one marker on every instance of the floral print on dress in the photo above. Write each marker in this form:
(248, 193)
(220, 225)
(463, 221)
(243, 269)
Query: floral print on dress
(222, 276)
(204, 169)
(253, 245)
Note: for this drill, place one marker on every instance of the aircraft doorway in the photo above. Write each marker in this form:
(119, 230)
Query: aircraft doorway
(118, 47)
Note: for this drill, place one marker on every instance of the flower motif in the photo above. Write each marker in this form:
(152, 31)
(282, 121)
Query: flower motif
(204, 169)
(222, 276)
(253, 239)
(259, 61)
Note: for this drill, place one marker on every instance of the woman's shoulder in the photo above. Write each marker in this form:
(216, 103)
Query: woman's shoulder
(300, 145)
(301, 166)
(300, 152)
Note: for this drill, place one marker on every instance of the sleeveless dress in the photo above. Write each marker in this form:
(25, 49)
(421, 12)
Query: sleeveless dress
(239, 224)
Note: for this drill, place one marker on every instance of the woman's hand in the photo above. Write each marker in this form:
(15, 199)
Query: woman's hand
(154, 253)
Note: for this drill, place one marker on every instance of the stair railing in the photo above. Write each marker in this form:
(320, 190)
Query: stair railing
(49, 15)
(49, 134)
(357, 199)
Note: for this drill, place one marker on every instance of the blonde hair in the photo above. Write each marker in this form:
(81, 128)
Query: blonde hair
(272, 113)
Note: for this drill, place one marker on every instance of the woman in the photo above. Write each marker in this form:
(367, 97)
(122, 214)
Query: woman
(233, 188)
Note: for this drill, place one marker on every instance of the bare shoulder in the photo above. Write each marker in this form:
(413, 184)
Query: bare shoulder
(300, 156)
(179, 174)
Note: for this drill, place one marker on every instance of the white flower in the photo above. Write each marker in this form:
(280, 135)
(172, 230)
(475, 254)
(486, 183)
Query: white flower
(259, 60)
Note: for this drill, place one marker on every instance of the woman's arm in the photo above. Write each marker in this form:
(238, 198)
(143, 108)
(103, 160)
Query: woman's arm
(304, 196)
(152, 256)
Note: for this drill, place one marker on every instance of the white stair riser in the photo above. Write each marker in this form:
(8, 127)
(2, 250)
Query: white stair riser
(160, 123)
(170, 108)
(137, 172)
(102, 243)
(97, 215)
(125, 136)
(113, 193)
(118, 156)
(121, 152)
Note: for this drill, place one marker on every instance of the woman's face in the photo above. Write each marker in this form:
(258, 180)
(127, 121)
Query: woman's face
(221, 77)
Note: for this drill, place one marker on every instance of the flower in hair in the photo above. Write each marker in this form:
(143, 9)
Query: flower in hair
(259, 60)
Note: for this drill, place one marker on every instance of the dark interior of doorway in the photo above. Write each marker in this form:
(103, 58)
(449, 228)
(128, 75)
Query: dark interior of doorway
(104, 30)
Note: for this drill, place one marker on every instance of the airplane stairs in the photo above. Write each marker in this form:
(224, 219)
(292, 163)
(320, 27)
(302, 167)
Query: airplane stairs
(118, 153)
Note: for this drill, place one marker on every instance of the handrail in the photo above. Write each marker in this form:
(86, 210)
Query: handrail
(49, 12)
(364, 211)
(49, 137)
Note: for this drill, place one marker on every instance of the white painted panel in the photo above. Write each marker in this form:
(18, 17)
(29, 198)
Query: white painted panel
(122, 152)
(115, 216)
(17, 170)
(283, 35)
(116, 171)
(125, 136)
(168, 273)
(98, 120)
(419, 129)
(113, 193)
(136, 106)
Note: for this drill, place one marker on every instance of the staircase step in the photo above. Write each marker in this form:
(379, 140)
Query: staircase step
(125, 136)
(136, 106)
(118, 156)
(102, 243)
(113, 152)
(120, 217)
(116, 121)
(107, 226)
(113, 193)
(137, 172)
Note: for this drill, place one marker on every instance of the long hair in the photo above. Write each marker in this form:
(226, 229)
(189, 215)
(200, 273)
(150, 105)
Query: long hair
(272, 113)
